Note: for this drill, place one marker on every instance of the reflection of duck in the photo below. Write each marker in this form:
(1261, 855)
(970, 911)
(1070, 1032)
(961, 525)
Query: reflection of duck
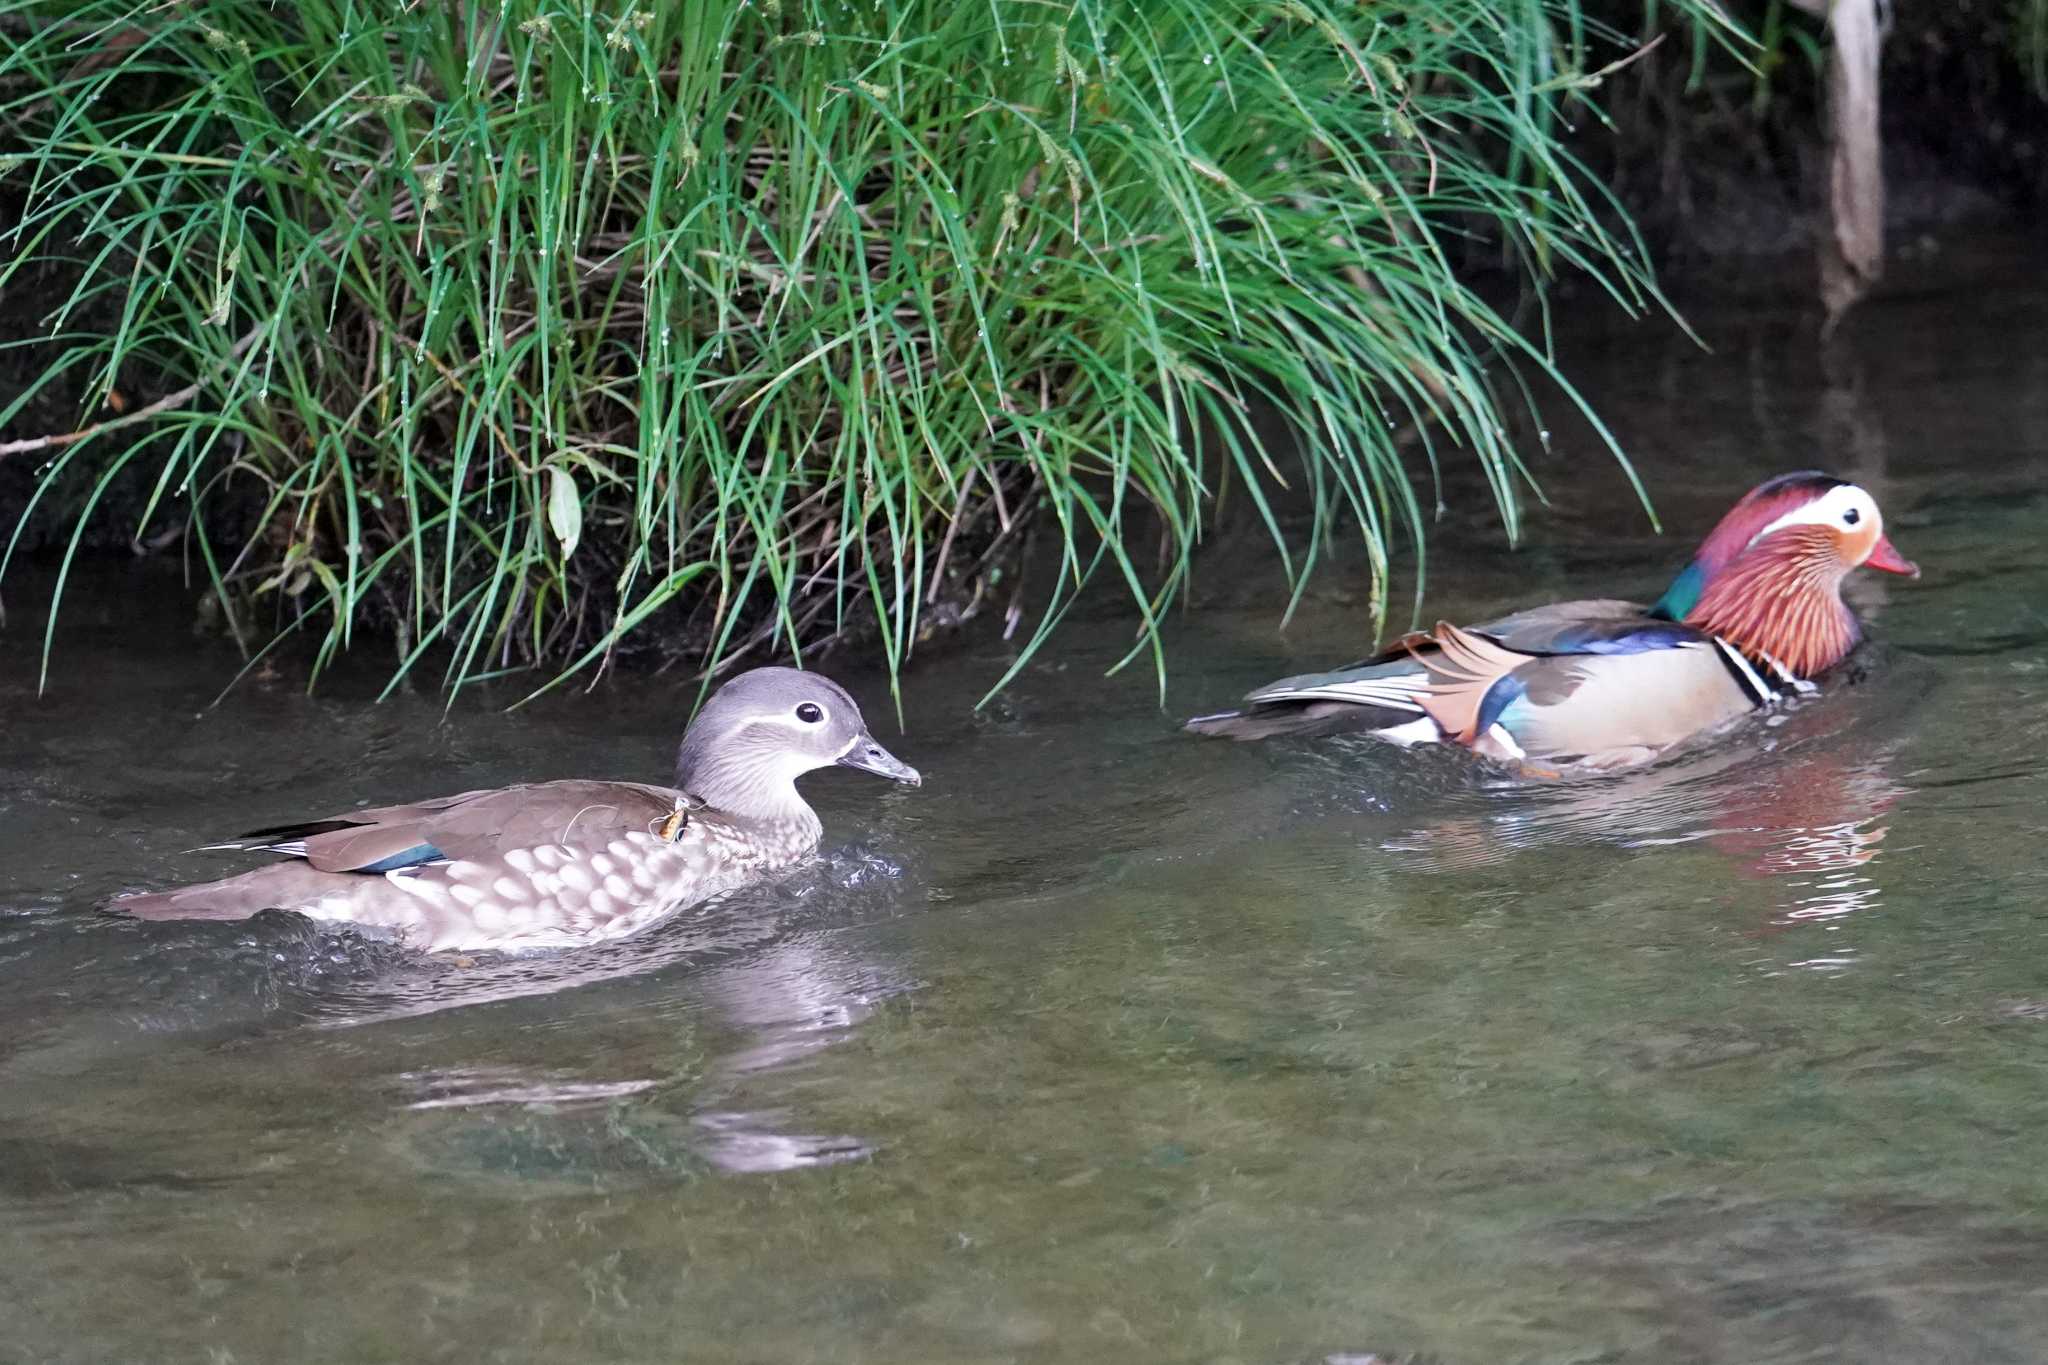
(1815, 826)
(741, 1100)
(1816, 815)
(1756, 614)
(1803, 801)
(554, 864)
(1805, 826)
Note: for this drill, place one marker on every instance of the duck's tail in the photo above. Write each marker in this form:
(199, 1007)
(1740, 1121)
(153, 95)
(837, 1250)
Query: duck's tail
(281, 886)
(1383, 694)
(1298, 718)
(187, 902)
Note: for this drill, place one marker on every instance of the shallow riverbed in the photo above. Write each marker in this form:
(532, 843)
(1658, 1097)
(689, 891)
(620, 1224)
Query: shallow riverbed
(1110, 1044)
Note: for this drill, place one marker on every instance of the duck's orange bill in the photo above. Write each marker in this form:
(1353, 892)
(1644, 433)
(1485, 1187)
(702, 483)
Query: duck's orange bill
(1890, 560)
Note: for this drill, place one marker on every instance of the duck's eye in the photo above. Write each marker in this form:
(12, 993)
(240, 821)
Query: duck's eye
(1851, 517)
(810, 713)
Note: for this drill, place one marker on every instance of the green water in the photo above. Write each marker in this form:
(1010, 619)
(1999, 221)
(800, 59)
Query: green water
(1109, 1044)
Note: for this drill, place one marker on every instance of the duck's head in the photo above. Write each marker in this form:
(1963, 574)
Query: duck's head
(1769, 576)
(766, 728)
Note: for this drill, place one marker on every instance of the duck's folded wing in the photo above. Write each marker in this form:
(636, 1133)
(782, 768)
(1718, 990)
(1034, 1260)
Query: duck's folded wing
(474, 825)
(1602, 626)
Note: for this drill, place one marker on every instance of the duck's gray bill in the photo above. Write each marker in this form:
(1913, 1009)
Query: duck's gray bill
(871, 757)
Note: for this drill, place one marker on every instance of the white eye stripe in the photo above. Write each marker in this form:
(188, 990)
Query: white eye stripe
(790, 720)
(787, 720)
(1831, 509)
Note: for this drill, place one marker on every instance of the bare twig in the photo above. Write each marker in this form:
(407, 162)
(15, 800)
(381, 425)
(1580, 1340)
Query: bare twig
(952, 529)
(161, 405)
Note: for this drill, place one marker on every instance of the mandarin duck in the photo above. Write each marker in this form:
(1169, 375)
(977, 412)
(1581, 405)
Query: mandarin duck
(556, 864)
(1756, 615)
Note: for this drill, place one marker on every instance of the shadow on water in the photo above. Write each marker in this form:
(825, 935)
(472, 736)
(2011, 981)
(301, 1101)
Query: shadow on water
(1110, 1044)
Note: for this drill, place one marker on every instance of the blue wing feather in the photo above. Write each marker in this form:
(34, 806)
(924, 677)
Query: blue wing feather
(1618, 637)
(1499, 698)
(407, 857)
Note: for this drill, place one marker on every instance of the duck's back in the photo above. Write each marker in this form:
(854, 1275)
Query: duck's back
(478, 824)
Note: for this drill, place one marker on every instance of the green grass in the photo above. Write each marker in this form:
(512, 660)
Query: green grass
(2030, 42)
(530, 333)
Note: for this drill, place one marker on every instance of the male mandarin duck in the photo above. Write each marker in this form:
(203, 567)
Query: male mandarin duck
(1757, 613)
(556, 864)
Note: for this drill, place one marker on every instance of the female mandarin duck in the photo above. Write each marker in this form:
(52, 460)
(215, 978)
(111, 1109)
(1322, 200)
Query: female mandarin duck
(1758, 612)
(554, 864)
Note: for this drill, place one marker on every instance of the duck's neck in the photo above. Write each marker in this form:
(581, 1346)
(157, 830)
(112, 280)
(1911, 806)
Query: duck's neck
(1684, 593)
(1781, 603)
(750, 787)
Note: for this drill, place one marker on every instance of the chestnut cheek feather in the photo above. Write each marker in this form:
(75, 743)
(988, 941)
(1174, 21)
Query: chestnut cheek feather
(1781, 598)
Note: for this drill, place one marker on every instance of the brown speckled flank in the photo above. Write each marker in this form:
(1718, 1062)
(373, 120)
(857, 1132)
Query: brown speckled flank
(562, 895)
